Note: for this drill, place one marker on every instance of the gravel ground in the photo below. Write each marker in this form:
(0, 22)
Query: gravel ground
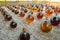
(6, 33)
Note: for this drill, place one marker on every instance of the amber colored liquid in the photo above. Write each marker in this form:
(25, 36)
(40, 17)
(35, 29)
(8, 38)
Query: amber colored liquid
(29, 8)
(34, 9)
(18, 8)
(48, 13)
(29, 19)
(22, 15)
(39, 16)
(46, 27)
(25, 6)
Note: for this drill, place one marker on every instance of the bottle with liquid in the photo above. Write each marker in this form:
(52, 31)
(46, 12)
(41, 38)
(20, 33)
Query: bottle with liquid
(39, 15)
(29, 19)
(46, 27)
(55, 20)
(4, 13)
(24, 35)
(18, 8)
(56, 10)
(8, 17)
(16, 11)
(13, 24)
(29, 7)
(25, 10)
(38, 9)
(49, 13)
(21, 14)
(34, 9)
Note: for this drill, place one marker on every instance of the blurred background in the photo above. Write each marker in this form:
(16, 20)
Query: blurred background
(13, 2)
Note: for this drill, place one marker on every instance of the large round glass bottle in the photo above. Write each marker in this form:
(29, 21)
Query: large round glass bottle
(55, 20)
(8, 17)
(56, 10)
(39, 15)
(29, 19)
(13, 24)
(24, 35)
(25, 10)
(18, 8)
(16, 11)
(29, 7)
(21, 14)
(49, 12)
(34, 9)
(46, 26)
(4, 13)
